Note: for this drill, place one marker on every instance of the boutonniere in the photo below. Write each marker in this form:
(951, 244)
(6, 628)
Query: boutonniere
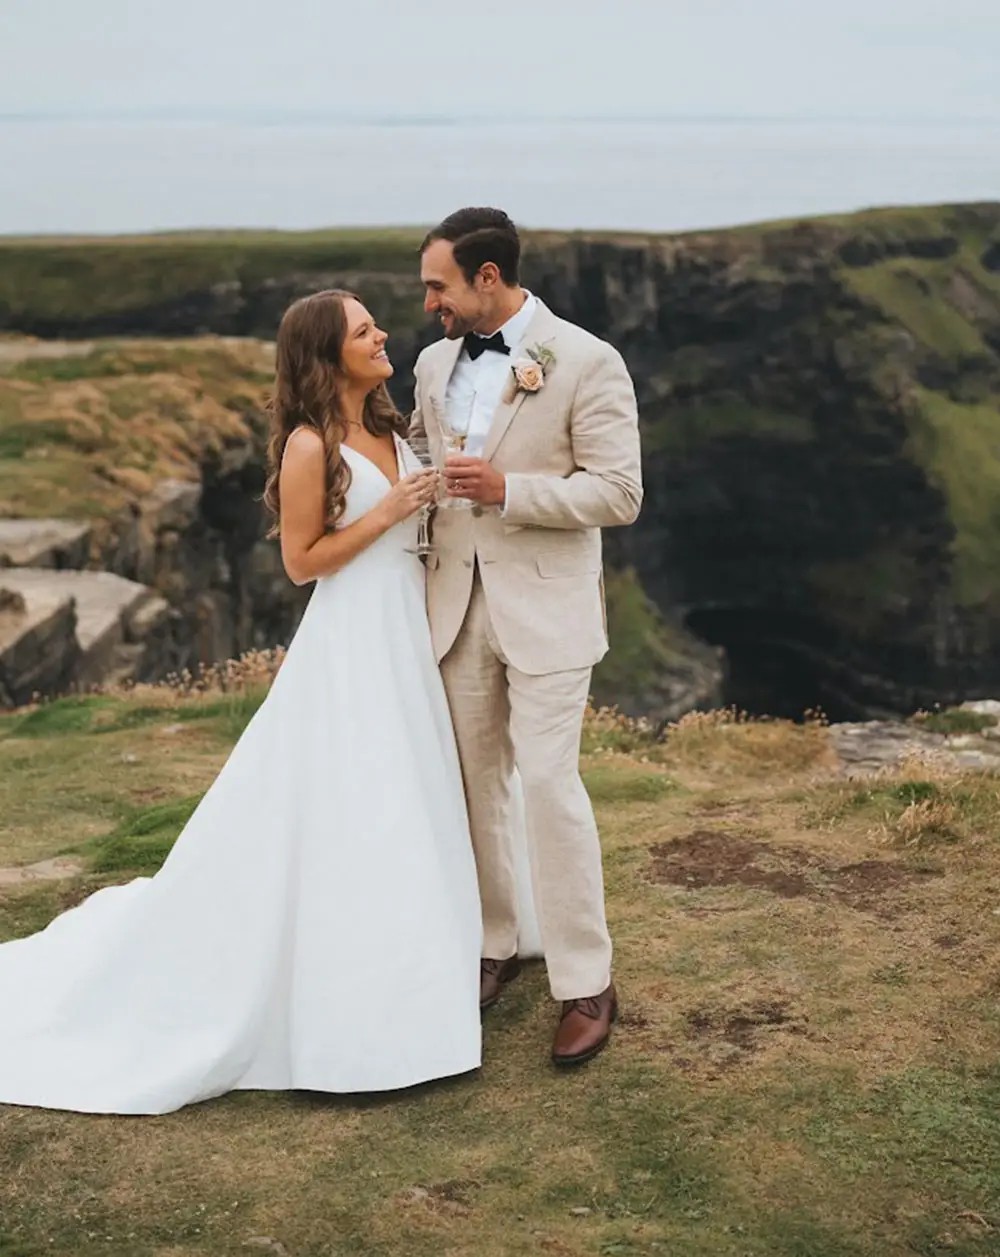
(530, 372)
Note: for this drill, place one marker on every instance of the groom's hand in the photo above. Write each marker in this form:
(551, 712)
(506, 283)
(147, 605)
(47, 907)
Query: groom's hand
(475, 479)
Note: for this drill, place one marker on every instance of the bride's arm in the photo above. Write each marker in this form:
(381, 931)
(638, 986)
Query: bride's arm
(308, 550)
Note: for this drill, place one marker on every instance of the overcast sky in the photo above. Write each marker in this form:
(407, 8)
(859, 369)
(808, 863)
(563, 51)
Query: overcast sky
(504, 59)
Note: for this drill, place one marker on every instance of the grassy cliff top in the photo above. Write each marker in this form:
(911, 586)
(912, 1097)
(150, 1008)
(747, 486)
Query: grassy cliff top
(88, 427)
(55, 277)
(809, 1007)
(65, 277)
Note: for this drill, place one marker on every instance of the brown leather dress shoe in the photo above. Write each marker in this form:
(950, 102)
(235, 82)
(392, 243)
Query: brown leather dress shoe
(493, 977)
(585, 1027)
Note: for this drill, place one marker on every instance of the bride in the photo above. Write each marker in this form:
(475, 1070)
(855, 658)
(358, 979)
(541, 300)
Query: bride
(317, 923)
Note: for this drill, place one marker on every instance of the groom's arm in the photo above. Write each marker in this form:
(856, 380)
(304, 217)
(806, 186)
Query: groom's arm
(417, 427)
(604, 429)
(416, 423)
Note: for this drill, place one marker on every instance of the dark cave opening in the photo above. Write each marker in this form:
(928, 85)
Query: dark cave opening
(772, 666)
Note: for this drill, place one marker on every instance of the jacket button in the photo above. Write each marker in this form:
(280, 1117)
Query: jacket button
(477, 510)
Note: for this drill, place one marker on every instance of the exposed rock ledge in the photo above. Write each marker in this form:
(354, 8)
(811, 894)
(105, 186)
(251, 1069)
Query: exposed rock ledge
(55, 543)
(63, 629)
(872, 746)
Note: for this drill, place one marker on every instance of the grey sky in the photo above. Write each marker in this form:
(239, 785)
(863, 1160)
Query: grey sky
(883, 59)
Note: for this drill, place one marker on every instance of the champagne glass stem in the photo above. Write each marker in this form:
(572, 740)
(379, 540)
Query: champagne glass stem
(424, 546)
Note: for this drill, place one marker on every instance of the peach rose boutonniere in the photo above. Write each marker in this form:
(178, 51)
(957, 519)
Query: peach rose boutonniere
(530, 372)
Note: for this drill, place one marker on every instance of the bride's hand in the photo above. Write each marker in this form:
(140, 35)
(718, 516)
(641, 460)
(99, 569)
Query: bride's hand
(404, 499)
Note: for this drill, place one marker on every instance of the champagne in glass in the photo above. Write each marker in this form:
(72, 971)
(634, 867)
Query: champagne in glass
(421, 450)
(455, 430)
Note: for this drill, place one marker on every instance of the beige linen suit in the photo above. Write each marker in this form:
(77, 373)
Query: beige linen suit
(516, 607)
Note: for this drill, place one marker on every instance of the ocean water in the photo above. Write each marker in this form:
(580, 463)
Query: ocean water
(134, 175)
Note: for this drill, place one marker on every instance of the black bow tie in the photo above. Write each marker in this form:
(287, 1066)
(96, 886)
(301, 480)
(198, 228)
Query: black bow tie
(477, 345)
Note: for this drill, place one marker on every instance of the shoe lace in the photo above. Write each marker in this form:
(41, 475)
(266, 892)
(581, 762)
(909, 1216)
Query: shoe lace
(590, 1006)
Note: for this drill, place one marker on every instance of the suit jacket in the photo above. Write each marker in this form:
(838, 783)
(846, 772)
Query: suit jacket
(570, 453)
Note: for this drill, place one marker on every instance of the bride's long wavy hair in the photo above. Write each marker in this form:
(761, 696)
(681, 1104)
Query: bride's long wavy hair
(307, 394)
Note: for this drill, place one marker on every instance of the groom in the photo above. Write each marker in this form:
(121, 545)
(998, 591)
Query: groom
(515, 591)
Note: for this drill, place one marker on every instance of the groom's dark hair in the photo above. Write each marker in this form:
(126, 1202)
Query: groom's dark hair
(480, 234)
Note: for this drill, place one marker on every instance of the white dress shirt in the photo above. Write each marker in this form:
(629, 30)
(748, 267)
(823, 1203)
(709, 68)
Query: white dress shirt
(475, 388)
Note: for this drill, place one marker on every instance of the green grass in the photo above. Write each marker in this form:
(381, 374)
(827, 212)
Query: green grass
(115, 359)
(614, 784)
(231, 714)
(28, 911)
(96, 365)
(864, 1125)
(16, 439)
(106, 714)
(913, 292)
(75, 770)
(958, 444)
(79, 278)
(86, 434)
(918, 812)
(692, 426)
(143, 841)
(74, 278)
(953, 1115)
(892, 798)
(74, 714)
(646, 646)
(955, 720)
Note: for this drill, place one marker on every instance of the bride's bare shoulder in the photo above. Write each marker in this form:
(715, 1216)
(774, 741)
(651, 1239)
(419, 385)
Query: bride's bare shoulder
(303, 448)
(303, 461)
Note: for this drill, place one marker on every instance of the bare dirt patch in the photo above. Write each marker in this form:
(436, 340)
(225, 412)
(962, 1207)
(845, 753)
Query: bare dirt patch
(453, 1196)
(721, 1037)
(708, 858)
(43, 871)
(743, 1025)
(633, 1019)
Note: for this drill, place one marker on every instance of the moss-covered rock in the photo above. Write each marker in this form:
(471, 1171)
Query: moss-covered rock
(655, 668)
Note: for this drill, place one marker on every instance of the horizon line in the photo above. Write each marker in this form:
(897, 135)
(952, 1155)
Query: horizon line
(277, 117)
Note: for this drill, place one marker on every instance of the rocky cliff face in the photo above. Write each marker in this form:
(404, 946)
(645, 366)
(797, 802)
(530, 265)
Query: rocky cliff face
(821, 412)
(182, 577)
(152, 455)
(821, 419)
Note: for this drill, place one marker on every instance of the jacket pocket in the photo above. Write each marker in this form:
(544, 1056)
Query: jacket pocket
(550, 565)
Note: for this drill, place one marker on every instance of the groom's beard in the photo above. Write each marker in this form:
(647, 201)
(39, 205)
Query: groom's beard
(456, 329)
(458, 326)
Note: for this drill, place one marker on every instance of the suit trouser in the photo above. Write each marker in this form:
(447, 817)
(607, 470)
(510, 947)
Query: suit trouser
(504, 717)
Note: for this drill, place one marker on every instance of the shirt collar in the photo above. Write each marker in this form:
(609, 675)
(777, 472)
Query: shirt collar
(514, 329)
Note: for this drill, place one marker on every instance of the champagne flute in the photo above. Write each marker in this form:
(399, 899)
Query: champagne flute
(455, 426)
(421, 450)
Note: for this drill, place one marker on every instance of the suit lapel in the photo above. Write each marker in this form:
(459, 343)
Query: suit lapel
(540, 331)
(447, 357)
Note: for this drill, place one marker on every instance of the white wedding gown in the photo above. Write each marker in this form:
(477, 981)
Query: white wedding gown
(317, 924)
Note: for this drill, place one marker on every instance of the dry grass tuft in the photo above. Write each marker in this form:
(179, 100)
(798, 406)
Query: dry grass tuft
(731, 741)
(253, 670)
(927, 820)
(85, 435)
(924, 800)
(607, 732)
(734, 742)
